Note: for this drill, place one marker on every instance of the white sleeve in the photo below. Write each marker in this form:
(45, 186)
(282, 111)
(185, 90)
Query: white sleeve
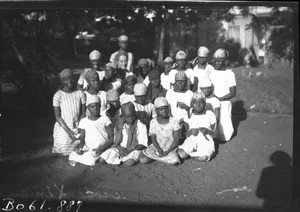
(81, 77)
(231, 79)
(82, 123)
(146, 80)
(172, 76)
(212, 117)
(142, 136)
(113, 57)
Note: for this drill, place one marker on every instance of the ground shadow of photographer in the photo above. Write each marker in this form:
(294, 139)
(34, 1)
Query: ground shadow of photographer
(275, 182)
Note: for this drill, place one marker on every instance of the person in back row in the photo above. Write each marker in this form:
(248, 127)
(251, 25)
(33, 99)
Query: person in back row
(181, 65)
(123, 44)
(121, 62)
(224, 84)
(143, 71)
(110, 80)
(164, 77)
(95, 58)
(202, 68)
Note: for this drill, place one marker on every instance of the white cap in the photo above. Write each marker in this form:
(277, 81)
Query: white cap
(205, 83)
(123, 38)
(140, 89)
(203, 51)
(92, 99)
(180, 55)
(160, 102)
(221, 53)
(95, 55)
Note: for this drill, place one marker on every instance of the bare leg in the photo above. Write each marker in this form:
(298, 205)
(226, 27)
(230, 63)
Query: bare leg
(144, 159)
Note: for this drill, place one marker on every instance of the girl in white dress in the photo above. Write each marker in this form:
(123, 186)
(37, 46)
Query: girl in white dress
(199, 124)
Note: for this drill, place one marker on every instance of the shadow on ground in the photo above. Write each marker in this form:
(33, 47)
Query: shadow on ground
(275, 183)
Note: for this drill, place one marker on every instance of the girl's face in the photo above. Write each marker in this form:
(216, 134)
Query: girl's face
(129, 88)
(207, 91)
(141, 99)
(198, 105)
(155, 82)
(95, 64)
(123, 45)
(202, 60)
(145, 70)
(180, 84)
(110, 72)
(168, 66)
(163, 111)
(115, 104)
(69, 82)
(219, 63)
(129, 116)
(94, 82)
(122, 62)
(94, 109)
(181, 63)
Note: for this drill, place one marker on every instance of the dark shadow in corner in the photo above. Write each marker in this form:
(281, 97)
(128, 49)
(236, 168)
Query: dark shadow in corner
(239, 114)
(275, 182)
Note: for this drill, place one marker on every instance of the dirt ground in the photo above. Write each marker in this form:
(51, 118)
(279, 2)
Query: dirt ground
(252, 171)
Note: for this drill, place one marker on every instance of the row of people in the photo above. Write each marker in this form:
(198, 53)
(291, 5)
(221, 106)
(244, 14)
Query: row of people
(178, 95)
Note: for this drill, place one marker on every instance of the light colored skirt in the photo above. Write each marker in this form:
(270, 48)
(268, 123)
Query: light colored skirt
(171, 158)
(112, 156)
(63, 144)
(224, 129)
(198, 146)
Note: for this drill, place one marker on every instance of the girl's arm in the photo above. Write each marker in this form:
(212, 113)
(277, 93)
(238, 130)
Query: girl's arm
(83, 111)
(183, 106)
(156, 145)
(229, 96)
(176, 136)
(188, 132)
(81, 138)
(61, 122)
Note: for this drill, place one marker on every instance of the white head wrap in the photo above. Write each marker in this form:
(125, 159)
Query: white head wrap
(95, 55)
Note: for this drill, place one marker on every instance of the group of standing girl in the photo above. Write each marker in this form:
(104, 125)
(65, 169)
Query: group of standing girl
(121, 115)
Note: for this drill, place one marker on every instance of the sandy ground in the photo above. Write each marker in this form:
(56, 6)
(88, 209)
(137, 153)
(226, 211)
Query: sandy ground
(251, 171)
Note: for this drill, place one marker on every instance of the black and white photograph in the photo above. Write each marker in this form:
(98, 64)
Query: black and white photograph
(149, 106)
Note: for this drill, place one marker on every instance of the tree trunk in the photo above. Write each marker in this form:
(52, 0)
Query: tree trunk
(161, 43)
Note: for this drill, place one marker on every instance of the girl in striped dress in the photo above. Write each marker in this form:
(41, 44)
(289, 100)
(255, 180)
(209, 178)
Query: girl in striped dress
(69, 108)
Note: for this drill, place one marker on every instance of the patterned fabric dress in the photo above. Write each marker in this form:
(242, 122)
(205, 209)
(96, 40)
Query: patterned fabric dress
(70, 104)
(164, 137)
